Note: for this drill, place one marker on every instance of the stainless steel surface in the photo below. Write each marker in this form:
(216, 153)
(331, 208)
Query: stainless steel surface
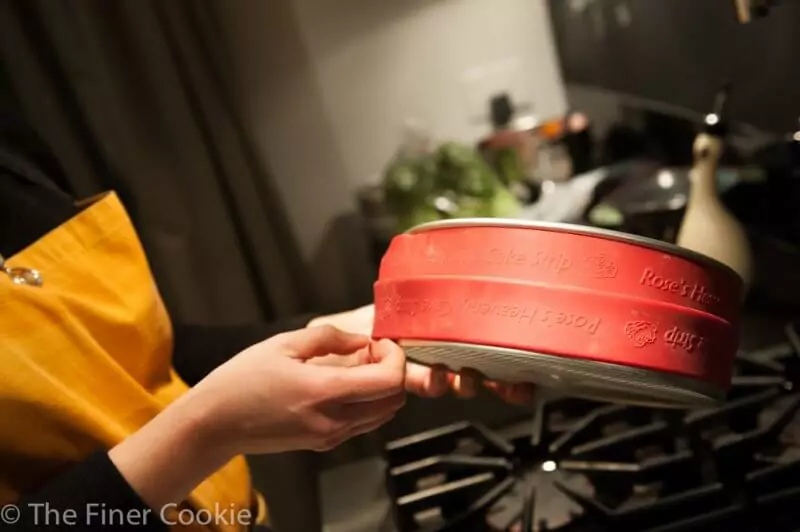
(575, 230)
(569, 376)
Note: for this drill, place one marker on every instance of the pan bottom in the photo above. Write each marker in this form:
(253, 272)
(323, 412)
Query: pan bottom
(569, 376)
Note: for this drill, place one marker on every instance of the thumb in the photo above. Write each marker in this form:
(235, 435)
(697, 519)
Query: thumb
(321, 341)
(384, 376)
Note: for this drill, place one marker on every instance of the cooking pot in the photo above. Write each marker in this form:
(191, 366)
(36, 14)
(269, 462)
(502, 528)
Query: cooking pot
(594, 313)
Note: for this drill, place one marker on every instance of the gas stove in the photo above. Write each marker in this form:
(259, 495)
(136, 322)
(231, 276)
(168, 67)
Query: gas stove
(584, 466)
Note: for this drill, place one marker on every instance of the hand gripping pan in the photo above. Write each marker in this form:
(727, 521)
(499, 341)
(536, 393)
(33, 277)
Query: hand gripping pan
(591, 313)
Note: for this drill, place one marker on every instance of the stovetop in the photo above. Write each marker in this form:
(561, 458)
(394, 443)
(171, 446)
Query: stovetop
(583, 466)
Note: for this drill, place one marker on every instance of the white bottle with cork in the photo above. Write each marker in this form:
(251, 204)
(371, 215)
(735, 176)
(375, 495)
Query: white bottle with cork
(708, 227)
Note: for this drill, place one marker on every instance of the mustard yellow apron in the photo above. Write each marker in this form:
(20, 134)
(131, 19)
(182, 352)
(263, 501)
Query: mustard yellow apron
(85, 358)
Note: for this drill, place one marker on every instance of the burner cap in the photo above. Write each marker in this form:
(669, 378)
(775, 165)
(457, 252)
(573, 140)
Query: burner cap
(569, 376)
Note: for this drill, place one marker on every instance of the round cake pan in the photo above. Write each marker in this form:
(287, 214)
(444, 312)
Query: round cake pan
(593, 313)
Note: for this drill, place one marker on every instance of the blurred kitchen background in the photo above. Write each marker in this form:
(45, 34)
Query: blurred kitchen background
(270, 149)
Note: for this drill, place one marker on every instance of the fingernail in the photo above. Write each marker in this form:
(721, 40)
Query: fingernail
(386, 342)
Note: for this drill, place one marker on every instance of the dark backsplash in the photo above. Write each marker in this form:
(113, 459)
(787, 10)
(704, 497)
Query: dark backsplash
(680, 51)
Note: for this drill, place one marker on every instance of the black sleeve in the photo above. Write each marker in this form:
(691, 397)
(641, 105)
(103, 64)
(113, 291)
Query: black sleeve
(88, 496)
(199, 349)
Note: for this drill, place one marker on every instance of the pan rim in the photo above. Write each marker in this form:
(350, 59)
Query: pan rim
(653, 380)
(576, 229)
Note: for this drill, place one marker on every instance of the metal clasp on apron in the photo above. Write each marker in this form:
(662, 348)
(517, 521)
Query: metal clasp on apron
(22, 276)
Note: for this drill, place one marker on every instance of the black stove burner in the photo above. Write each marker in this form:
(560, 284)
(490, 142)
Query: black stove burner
(585, 466)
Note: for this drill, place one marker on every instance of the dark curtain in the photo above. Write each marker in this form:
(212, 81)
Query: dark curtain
(133, 95)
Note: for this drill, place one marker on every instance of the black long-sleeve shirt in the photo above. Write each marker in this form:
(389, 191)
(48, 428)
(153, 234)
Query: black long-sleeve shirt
(33, 201)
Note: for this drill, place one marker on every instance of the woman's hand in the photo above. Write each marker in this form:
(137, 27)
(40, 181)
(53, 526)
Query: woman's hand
(267, 399)
(270, 399)
(420, 380)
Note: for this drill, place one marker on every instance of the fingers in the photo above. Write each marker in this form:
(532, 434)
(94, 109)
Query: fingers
(365, 428)
(360, 357)
(340, 422)
(386, 351)
(378, 370)
(465, 383)
(426, 381)
(367, 412)
(320, 341)
(516, 394)
(383, 377)
(341, 436)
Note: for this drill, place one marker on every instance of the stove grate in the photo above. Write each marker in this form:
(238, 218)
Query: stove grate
(585, 466)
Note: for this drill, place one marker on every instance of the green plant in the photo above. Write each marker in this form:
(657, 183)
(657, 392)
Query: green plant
(452, 181)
